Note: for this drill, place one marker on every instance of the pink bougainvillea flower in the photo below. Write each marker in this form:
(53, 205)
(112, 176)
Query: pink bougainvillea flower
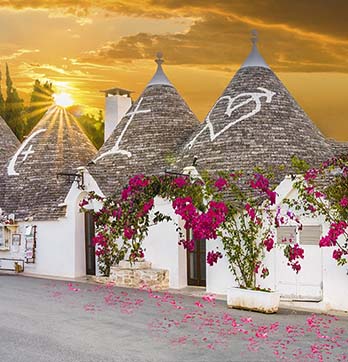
(126, 192)
(210, 298)
(269, 243)
(83, 203)
(148, 206)
(264, 273)
(311, 174)
(199, 304)
(246, 319)
(257, 267)
(180, 182)
(117, 213)
(138, 182)
(128, 232)
(220, 183)
(251, 211)
(293, 253)
(344, 201)
(188, 244)
(337, 254)
(259, 182)
(335, 231)
(213, 257)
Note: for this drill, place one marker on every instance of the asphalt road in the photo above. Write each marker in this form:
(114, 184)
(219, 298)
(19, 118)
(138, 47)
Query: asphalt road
(49, 321)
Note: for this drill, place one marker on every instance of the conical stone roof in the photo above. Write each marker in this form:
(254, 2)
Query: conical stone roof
(8, 145)
(255, 122)
(147, 138)
(8, 142)
(56, 145)
(339, 148)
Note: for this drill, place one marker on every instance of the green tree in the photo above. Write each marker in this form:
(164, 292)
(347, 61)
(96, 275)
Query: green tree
(40, 101)
(14, 109)
(93, 127)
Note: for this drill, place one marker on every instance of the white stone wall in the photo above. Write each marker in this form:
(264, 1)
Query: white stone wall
(162, 248)
(60, 244)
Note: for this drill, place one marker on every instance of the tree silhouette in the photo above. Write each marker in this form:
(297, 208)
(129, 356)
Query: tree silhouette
(41, 99)
(14, 108)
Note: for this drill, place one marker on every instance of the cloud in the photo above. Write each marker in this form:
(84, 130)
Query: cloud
(217, 42)
(18, 53)
(319, 17)
(292, 40)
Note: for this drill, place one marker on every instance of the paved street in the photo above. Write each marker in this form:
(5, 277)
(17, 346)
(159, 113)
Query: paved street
(46, 320)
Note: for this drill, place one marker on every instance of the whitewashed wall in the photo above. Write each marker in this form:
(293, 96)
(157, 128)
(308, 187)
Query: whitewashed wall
(162, 248)
(60, 244)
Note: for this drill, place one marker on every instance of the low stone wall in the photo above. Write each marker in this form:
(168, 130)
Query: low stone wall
(137, 275)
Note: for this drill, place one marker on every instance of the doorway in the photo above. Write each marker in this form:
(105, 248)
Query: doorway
(196, 265)
(90, 248)
(307, 285)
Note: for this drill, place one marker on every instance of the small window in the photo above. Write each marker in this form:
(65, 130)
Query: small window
(286, 235)
(310, 235)
(2, 237)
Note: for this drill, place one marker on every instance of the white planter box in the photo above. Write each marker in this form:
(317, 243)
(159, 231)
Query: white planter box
(256, 300)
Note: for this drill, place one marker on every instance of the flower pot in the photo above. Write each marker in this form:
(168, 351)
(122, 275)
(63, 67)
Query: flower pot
(255, 300)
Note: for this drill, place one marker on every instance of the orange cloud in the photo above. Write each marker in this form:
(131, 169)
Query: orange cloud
(218, 42)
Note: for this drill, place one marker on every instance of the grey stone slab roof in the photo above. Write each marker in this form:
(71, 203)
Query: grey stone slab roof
(8, 145)
(255, 122)
(8, 142)
(339, 148)
(146, 139)
(57, 144)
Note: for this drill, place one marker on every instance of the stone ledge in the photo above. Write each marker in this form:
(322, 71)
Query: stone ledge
(136, 275)
(125, 264)
(157, 279)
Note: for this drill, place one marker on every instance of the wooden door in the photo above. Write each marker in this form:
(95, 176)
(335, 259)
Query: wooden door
(90, 248)
(196, 264)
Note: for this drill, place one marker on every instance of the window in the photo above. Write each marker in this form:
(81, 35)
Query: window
(286, 235)
(2, 237)
(310, 235)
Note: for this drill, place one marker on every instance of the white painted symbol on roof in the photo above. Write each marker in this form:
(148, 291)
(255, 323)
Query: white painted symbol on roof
(11, 166)
(251, 97)
(116, 149)
(27, 153)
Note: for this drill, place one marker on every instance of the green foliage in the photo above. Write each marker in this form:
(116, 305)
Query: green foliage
(299, 165)
(93, 127)
(123, 221)
(14, 113)
(248, 224)
(40, 101)
(23, 119)
(323, 191)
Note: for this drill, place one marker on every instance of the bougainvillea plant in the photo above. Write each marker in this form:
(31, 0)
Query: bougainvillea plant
(233, 206)
(123, 221)
(323, 191)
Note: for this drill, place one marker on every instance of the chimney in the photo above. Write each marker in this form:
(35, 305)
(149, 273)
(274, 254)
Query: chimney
(117, 103)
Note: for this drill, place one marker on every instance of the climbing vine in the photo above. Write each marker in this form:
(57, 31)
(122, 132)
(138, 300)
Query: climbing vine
(235, 207)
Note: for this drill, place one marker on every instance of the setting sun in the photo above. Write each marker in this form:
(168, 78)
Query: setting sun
(63, 100)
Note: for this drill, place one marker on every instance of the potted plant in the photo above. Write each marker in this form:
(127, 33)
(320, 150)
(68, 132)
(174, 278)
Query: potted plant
(246, 234)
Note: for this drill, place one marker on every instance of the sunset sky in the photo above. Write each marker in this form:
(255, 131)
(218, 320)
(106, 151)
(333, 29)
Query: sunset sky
(89, 45)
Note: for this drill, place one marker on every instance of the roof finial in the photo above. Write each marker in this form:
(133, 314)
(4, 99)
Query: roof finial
(254, 59)
(159, 59)
(254, 36)
(159, 77)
